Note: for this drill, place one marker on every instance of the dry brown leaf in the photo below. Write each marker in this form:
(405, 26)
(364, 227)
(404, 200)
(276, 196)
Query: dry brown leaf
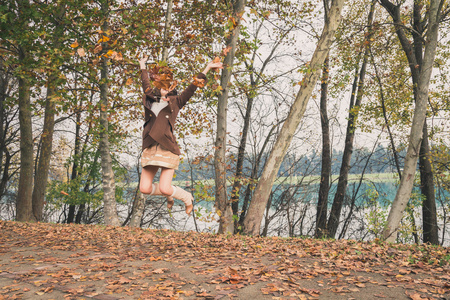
(81, 52)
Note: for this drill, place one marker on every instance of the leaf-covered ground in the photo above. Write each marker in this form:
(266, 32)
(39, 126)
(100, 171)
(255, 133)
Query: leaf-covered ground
(54, 261)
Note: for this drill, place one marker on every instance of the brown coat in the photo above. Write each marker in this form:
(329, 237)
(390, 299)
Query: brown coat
(159, 129)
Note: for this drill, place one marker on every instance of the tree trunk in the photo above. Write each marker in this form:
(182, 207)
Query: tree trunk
(235, 191)
(358, 86)
(24, 210)
(255, 78)
(165, 50)
(40, 184)
(76, 160)
(322, 200)
(222, 205)
(430, 229)
(41, 176)
(80, 212)
(255, 213)
(394, 151)
(421, 97)
(253, 176)
(138, 210)
(5, 156)
(429, 215)
(109, 188)
(71, 214)
(82, 206)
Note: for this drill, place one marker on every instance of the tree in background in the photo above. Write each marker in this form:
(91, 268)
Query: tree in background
(325, 172)
(223, 206)
(421, 74)
(19, 40)
(8, 128)
(260, 93)
(57, 23)
(253, 221)
(355, 103)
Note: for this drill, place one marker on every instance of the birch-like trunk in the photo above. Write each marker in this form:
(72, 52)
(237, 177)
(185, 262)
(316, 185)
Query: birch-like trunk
(223, 207)
(167, 24)
(258, 204)
(109, 187)
(416, 133)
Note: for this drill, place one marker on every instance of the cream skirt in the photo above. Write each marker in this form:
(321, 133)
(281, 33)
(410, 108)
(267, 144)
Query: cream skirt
(157, 155)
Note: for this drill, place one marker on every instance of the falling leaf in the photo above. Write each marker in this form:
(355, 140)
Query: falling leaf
(117, 56)
(226, 50)
(98, 48)
(103, 39)
(64, 193)
(74, 44)
(81, 52)
(199, 82)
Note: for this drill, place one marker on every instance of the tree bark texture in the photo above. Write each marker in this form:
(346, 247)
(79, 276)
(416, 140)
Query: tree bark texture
(324, 187)
(40, 184)
(430, 228)
(222, 204)
(235, 192)
(429, 214)
(76, 163)
(5, 155)
(421, 97)
(261, 195)
(41, 177)
(24, 210)
(109, 187)
(168, 22)
(138, 210)
(355, 103)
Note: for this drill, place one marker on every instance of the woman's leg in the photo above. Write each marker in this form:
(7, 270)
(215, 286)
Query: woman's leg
(165, 181)
(147, 175)
(166, 187)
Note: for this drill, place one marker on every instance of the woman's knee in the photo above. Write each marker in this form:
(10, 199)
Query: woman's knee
(165, 189)
(145, 188)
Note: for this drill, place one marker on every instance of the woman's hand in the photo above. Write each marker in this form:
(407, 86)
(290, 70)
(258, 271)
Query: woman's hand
(142, 62)
(214, 65)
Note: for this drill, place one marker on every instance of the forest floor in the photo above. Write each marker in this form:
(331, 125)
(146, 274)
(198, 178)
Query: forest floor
(54, 261)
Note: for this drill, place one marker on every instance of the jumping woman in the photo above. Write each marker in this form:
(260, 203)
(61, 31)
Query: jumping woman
(160, 149)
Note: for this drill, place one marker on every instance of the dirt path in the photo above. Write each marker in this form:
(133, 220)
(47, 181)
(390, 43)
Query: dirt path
(49, 261)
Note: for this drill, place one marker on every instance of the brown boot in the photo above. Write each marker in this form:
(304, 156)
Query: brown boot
(184, 196)
(157, 192)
